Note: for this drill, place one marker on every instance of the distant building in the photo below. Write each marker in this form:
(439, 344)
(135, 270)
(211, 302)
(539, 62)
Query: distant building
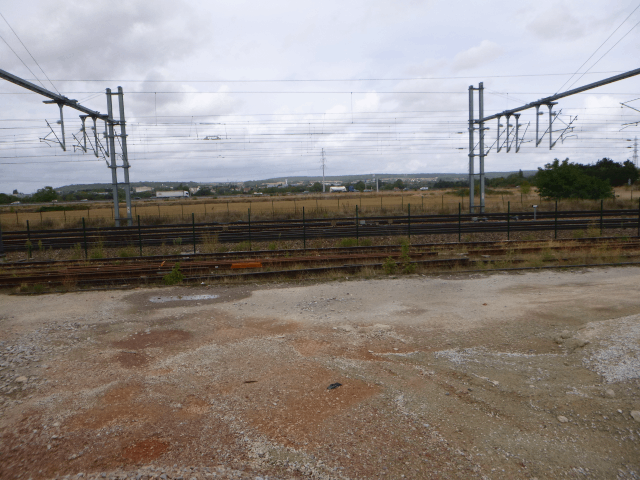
(143, 189)
(172, 194)
(193, 190)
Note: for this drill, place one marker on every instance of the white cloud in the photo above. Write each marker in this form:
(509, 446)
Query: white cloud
(477, 56)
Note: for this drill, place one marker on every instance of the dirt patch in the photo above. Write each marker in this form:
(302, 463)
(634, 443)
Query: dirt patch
(307, 347)
(151, 339)
(132, 359)
(144, 451)
(120, 404)
(302, 403)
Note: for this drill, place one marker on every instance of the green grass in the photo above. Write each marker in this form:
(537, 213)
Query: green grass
(347, 242)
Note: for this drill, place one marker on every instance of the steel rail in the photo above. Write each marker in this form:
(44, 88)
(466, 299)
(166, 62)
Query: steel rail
(425, 248)
(115, 237)
(145, 271)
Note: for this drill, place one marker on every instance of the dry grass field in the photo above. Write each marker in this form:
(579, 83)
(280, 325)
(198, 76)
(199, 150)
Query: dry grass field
(291, 206)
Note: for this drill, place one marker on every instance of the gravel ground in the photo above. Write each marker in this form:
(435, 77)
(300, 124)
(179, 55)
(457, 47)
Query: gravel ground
(532, 375)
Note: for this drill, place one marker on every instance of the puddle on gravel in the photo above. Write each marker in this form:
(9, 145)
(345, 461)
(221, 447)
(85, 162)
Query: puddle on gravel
(179, 298)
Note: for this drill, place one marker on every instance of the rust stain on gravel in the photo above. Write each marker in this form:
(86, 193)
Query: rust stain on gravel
(132, 359)
(157, 338)
(302, 403)
(145, 450)
(117, 405)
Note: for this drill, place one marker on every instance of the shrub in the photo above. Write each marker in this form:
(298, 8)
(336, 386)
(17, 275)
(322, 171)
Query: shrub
(271, 246)
(407, 266)
(389, 266)
(174, 277)
(367, 242)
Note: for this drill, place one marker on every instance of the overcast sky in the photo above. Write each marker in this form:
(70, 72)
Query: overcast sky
(244, 90)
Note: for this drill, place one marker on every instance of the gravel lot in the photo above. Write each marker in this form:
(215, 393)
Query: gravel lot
(532, 375)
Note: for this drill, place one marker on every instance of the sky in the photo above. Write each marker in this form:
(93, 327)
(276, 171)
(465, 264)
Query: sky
(247, 90)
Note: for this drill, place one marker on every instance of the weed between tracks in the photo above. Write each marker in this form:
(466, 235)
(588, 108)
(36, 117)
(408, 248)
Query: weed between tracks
(550, 253)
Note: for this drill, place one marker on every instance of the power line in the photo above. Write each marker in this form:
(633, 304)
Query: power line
(393, 79)
(19, 58)
(25, 47)
(596, 50)
(605, 53)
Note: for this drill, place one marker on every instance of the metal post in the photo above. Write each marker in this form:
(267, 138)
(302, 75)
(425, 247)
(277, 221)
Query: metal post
(555, 222)
(112, 154)
(2, 255)
(508, 220)
(550, 126)
(28, 241)
(357, 228)
(471, 149)
(304, 230)
(517, 115)
(601, 207)
(409, 221)
(139, 236)
(249, 218)
(459, 222)
(125, 156)
(84, 235)
(537, 124)
(193, 227)
(638, 227)
(481, 146)
(63, 144)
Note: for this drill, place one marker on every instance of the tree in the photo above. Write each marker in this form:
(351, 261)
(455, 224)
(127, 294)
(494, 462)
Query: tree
(204, 191)
(316, 187)
(360, 186)
(525, 187)
(6, 199)
(398, 184)
(569, 180)
(617, 173)
(46, 194)
(15, 191)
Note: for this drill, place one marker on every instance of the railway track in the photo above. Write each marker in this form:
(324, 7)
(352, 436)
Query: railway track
(267, 231)
(297, 263)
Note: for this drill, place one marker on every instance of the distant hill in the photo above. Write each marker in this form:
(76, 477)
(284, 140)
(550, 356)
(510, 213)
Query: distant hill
(294, 179)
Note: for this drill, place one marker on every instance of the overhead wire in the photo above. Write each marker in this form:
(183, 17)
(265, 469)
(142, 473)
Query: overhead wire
(596, 50)
(293, 80)
(605, 53)
(20, 58)
(25, 47)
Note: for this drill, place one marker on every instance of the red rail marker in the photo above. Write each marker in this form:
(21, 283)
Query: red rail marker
(247, 265)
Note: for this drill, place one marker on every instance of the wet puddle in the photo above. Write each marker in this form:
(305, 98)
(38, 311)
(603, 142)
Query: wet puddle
(179, 298)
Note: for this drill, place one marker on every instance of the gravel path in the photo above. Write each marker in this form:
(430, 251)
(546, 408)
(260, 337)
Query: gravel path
(526, 376)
